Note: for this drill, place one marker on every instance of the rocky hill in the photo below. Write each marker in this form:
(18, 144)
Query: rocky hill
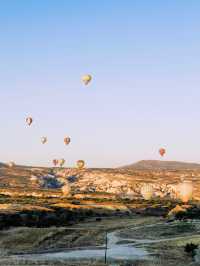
(157, 165)
(125, 182)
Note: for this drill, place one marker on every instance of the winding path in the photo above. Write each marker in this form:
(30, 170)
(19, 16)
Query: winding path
(119, 248)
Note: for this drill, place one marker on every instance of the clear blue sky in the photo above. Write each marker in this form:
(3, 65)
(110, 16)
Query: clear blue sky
(144, 58)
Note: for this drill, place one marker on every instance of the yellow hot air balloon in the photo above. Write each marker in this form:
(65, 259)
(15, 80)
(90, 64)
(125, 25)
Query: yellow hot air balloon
(86, 79)
(185, 191)
(67, 140)
(147, 191)
(44, 140)
(80, 164)
(61, 162)
(29, 120)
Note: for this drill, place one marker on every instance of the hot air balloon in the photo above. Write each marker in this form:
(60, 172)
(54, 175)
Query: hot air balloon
(67, 140)
(29, 120)
(185, 191)
(147, 191)
(44, 140)
(162, 151)
(61, 162)
(11, 164)
(55, 162)
(86, 79)
(80, 164)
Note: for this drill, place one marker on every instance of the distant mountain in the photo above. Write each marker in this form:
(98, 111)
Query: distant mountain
(156, 165)
(3, 165)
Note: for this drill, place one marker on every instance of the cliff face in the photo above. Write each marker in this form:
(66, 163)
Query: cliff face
(122, 182)
(128, 183)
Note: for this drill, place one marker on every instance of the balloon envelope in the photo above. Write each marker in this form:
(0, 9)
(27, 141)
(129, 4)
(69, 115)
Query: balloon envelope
(162, 151)
(29, 120)
(44, 140)
(147, 191)
(185, 191)
(61, 162)
(67, 140)
(11, 164)
(80, 164)
(86, 79)
(55, 162)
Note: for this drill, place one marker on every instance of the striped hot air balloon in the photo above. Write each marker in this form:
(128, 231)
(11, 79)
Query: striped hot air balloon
(147, 191)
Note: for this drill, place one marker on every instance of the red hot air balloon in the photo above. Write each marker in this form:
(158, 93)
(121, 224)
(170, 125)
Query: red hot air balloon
(55, 162)
(162, 152)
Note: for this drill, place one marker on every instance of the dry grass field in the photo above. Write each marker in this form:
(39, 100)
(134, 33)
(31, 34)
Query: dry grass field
(41, 226)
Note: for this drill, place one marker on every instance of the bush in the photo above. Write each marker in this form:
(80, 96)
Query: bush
(190, 248)
(192, 213)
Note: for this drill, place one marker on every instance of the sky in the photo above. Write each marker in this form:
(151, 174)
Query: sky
(144, 58)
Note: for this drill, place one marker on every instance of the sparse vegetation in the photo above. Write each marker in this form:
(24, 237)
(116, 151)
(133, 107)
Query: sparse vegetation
(45, 219)
(191, 213)
(190, 249)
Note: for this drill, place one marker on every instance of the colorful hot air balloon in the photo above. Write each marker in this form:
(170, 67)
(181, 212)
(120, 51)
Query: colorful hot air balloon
(86, 79)
(162, 152)
(80, 164)
(185, 191)
(61, 162)
(44, 140)
(67, 140)
(29, 120)
(147, 191)
(55, 162)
